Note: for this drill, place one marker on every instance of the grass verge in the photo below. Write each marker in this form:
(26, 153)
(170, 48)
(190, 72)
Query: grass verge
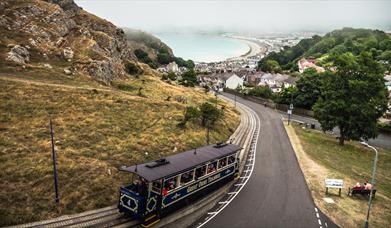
(321, 157)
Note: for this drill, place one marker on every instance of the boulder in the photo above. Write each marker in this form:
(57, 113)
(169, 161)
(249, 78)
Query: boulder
(67, 71)
(48, 66)
(68, 53)
(18, 54)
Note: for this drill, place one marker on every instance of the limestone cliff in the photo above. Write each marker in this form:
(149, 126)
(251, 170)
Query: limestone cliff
(58, 33)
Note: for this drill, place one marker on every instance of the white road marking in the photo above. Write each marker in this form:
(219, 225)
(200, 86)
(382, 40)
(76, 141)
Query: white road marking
(325, 224)
(236, 185)
(223, 202)
(232, 193)
(316, 209)
(243, 177)
(317, 214)
(320, 223)
(212, 213)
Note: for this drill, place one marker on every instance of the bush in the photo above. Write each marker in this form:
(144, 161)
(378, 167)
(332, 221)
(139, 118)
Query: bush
(261, 91)
(189, 78)
(133, 69)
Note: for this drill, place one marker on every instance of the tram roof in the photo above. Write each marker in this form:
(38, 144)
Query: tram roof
(181, 162)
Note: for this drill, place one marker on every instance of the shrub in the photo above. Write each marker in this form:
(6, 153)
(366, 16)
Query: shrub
(133, 69)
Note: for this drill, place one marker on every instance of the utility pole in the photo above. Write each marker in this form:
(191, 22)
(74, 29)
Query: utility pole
(372, 182)
(235, 99)
(57, 199)
(207, 132)
(290, 109)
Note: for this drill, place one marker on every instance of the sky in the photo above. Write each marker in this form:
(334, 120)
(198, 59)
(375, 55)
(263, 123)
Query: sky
(242, 15)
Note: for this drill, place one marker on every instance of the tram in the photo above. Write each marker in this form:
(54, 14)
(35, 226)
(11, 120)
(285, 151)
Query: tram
(166, 184)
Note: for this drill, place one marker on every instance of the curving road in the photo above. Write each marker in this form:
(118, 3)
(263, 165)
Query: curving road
(276, 195)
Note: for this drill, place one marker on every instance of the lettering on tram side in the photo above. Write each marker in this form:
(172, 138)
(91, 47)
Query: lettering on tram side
(192, 188)
(213, 178)
(181, 193)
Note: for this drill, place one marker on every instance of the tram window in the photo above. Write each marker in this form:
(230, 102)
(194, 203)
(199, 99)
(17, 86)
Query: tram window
(156, 185)
(222, 162)
(200, 171)
(170, 184)
(187, 177)
(231, 159)
(212, 167)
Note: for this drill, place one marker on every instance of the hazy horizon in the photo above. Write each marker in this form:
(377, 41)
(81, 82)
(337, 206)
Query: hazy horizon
(254, 16)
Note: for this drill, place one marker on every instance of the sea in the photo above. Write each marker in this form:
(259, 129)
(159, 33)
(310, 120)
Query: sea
(203, 48)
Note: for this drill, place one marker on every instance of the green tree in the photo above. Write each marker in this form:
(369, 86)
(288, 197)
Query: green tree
(189, 78)
(164, 58)
(191, 113)
(352, 98)
(261, 91)
(270, 66)
(209, 114)
(172, 76)
(308, 89)
(286, 95)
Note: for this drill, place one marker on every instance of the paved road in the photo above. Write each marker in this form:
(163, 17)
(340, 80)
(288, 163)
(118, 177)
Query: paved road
(276, 194)
(382, 140)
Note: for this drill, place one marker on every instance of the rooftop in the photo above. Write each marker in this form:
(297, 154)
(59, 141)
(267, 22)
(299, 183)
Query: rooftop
(181, 162)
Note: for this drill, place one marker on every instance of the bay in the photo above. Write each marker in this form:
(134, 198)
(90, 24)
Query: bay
(203, 48)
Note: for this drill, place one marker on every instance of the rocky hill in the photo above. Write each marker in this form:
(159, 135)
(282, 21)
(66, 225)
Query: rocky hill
(58, 34)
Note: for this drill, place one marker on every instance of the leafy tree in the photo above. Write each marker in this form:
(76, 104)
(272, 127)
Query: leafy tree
(353, 97)
(261, 91)
(270, 66)
(287, 95)
(189, 78)
(308, 89)
(191, 113)
(143, 57)
(164, 58)
(209, 114)
(172, 76)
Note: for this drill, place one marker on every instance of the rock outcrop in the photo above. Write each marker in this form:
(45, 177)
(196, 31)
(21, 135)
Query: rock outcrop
(18, 54)
(62, 31)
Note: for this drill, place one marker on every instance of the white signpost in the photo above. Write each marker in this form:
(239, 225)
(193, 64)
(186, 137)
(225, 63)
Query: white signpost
(334, 183)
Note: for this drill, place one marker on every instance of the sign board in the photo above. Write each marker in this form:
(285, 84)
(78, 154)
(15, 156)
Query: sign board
(291, 106)
(289, 111)
(333, 183)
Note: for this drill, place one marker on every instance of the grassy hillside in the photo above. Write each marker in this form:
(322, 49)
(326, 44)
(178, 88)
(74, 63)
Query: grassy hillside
(321, 157)
(335, 43)
(97, 128)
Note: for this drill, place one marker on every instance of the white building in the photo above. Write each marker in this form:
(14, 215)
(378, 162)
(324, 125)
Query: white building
(173, 67)
(233, 82)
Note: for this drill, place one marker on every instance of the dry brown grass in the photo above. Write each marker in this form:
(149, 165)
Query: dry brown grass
(94, 131)
(321, 157)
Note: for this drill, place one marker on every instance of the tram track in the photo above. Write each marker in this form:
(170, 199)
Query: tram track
(110, 217)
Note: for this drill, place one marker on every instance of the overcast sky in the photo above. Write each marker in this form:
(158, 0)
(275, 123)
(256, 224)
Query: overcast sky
(244, 15)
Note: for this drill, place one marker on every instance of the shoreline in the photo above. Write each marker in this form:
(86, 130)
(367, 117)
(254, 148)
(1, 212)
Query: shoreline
(255, 48)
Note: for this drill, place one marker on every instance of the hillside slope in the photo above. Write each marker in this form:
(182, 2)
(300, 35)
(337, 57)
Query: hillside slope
(57, 34)
(61, 63)
(335, 43)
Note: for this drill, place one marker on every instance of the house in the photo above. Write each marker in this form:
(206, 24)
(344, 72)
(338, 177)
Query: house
(304, 64)
(276, 82)
(234, 81)
(172, 67)
(253, 79)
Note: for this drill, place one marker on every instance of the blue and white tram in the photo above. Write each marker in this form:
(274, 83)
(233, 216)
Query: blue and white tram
(166, 184)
